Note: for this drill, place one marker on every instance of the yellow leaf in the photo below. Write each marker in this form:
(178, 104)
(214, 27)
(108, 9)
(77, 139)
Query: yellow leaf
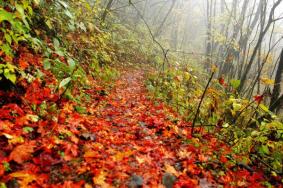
(267, 81)
(170, 169)
(24, 178)
(183, 153)
(213, 68)
(8, 136)
(16, 140)
(90, 154)
(88, 185)
(100, 180)
(143, 159)
(140, 159)
(237, 106)
(121, 155)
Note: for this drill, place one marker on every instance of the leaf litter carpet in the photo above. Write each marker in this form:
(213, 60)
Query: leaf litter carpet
(124, 140)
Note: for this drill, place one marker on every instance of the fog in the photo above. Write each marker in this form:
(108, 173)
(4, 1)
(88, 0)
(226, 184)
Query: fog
(243, 38)
(185, 27)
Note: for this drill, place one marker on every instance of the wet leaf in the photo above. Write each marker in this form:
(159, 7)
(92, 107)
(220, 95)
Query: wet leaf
(64, 82)
(24, 178)
(22, 153)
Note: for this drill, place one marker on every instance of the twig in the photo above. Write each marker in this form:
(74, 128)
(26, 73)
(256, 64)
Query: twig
(189, 53)
(254, 113)
(240, 113)
(201, 100)
(68, 86)
(267, 165)
(152, 35)
(117, 8)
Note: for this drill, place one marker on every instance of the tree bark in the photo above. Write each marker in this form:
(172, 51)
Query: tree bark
(106, 10)
(275, 99)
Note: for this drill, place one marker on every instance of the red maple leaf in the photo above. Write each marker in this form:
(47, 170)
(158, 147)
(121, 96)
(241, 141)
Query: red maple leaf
(223, 159)
(2, 170)
(258, 98)
(190, 183)
(22, 152)
(221, 81)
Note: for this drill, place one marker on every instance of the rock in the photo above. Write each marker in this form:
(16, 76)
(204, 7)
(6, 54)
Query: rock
(168, 180)
(136, 181)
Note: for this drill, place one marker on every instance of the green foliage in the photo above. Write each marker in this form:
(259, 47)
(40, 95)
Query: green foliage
(28, 129)
(15, 19)
(235, 83)
(64, 82)
(106, 74)
(174, 87)
(134, 47)
(15, 25)
(6, 166)
(265, 143)
(81, 110)
(58, 16)
(248, 126)
(9, 72)
(180, 88)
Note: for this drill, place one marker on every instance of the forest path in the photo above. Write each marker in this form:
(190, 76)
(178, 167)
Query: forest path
(142, 142)
(139, 140)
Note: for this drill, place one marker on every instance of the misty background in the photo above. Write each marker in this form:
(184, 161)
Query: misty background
(243, 38)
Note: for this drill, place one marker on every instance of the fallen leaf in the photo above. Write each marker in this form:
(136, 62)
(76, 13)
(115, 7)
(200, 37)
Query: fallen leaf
(170, 169)
(24, 178)
(2, 170)
(121, 155)
(22, 152)
(100, 180)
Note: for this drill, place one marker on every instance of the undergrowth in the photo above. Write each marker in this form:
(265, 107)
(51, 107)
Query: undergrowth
(247, 126)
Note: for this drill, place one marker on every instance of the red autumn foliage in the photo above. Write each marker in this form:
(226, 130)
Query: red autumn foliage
(36, 93)
(22, 152)
(9, 111)
(27, 59)
(121, 135)
(258, 98)
(221, 81)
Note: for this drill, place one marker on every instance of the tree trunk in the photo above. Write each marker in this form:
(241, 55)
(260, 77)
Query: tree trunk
(243, 41)
(158, 31)
(228, 68)
(260, 39)
(275, 99)
(209, 38)
(223, 52)
(106, 10)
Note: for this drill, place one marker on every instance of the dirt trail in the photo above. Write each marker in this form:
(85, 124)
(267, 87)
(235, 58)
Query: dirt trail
(138, 138)
(142, 142)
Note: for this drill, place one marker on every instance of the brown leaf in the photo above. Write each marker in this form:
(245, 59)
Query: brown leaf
(22, 152)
